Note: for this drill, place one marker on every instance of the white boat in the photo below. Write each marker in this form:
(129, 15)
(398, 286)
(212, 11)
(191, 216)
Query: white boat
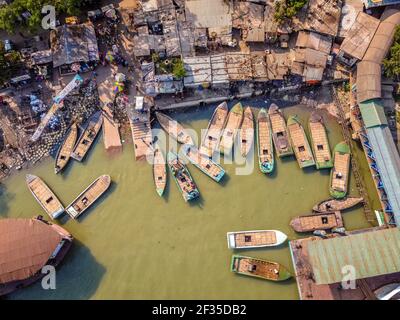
(255, 239)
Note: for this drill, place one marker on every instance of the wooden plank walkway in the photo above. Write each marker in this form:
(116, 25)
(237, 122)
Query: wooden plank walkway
(112, 138)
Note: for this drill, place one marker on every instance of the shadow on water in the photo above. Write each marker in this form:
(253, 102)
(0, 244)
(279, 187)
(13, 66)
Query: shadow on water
(309, 170)
(225, 179)
(199, 202)
(78, 277)
(5, 198)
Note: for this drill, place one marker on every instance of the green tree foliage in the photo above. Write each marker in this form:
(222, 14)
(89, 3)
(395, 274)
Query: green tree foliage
(178, 69)
(9, 63)
(392, 62)
(287, 9)
(11, 15)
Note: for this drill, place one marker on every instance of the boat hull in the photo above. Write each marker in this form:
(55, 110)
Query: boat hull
(247, 132)
(66, 148)
(337, 204)
(233, 123)
(174, 129)
(320, 129)
(159, 171)
(265, 166)
(280, 134)
(340, 149)
(233, 243)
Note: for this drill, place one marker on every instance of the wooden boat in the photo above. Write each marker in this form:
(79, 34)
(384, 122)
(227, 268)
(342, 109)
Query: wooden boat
(264, 143)
(85, 141)
(300, 144)
(340, 171)
(247, 132)
(255, 239)
(159, 171)
(258, 268)
(66, 148)
(280, 133)
(337, 204)
(43, 194)
(320, 142)
(174, 129)
(232, 127)
(320, 221)
(86, 199)
(214, 130)
(205, 164)
(182, 177)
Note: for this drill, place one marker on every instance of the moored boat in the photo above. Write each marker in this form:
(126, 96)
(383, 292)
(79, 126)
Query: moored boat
(337, 204)
(233, 123)
(264, 143)
(259, 268)
(45, 196)
(340, 171)
(86, 199)
(89, 134)
(301, 147)
(319, 221)
(66, 148)
(280, 133)
(246, 132)
(174, 129)
(255, 239)
(159, 171)
(214, 130)
(205, 164)
(320, 142)
(182, 177)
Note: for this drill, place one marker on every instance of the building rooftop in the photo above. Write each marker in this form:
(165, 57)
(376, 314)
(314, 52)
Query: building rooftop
(208, 13)
(371, 254)
(350, 10)
(323, 16)
(314, 41)
(378, 3)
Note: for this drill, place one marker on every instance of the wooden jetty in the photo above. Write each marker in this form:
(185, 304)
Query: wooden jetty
(205, 164)
(89, 134)
(280, 133)
(264, 143)
(340, 171)
(43, 194)
(300, 144)
(320, 142)
(233, 123)
(246, 132)
(174, 129)
(320, 221)
(66, 148)
(337, 204)
(214, 130)
(159, 171)
(182, 177)
(255, 239)
(86, 199)
(259, 268)
(111, 136)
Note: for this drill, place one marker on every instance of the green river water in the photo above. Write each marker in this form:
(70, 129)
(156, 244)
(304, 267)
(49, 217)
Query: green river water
(135, 245)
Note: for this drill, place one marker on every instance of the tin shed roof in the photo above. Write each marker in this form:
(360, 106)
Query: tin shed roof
(372, 113)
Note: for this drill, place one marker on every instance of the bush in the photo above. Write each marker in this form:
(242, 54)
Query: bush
(392, 62)
(287, 9)
(178, 69)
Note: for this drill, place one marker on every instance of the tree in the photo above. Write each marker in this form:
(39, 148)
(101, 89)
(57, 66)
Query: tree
(287, 9)
(9, 63)
(178, 69)
(392, 62)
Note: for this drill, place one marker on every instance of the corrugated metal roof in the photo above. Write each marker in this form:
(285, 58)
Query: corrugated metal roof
(372, 113)
(378, 3)
(371, 254)
(388, 162)
(209, 13)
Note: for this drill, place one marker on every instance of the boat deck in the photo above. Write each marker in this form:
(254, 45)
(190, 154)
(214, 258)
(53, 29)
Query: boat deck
(205, 164)
(247, 239)
(66, 149)
(317, 222)
(112, 138)
(300, 144)
(258, 268)
(246, 132)
(277, 123)
(87, 138)
(233, 123)
(340, 171)
(320, 142)
(159, 171)
(264, 140)
(213, 134)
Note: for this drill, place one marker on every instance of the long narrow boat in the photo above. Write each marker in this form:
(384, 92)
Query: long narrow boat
(233, 123)
(300, 144)
(85, 141)
(320, 142)
(264, 143)
(205, 164)
(214, 130)
(280, 133)
(246, 132)
(66, 148)
(43, 194)
(259, 268)
(86, 199)
(320, 221)
(340, 171)
(159, 171)
(255, 239)
(174, 129)
(337, 204)
(182, 177)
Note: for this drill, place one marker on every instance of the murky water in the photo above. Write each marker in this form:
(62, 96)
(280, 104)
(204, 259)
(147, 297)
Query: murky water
(134, 244)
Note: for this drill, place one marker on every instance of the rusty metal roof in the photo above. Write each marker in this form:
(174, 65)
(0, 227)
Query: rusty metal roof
(371, 254)
(25, 247)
